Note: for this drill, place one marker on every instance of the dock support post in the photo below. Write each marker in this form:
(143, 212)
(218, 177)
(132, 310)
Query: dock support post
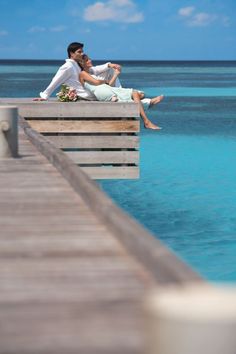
(8, 131)
(191, 320)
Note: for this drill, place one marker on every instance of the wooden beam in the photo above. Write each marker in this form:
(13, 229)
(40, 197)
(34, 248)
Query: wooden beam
(104, 157)
(115, 172)
(85, 109)
(95, 142)
(90, 126)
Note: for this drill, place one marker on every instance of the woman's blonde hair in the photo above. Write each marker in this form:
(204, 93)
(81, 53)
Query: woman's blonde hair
(82, 60)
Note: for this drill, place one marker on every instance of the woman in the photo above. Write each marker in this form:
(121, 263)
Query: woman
(104, 91)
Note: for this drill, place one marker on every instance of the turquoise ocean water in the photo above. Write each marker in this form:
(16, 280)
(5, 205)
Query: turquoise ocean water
(186, 194)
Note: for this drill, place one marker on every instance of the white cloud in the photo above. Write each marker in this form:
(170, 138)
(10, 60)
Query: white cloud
(39, 29)
(99, 12)
(194, 18)
(186, 11)
(113, 10)
(58, 28)
(3, 33)
(120, 3)
(202, 19)
(36, 29)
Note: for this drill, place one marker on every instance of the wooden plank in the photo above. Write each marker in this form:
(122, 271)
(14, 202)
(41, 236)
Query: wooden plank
(67, 279)
(71, 126)
(129, 172)
(113, 327)
(97, 157)
(84, 109)
(88, 244)
(95, 142)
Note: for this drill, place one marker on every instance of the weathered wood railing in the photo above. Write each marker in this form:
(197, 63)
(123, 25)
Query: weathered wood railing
(101, 137)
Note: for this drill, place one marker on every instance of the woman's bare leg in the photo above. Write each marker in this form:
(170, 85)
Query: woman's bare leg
(147, 123)
(156, 100)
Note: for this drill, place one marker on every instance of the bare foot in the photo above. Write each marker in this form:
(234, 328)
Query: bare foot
(156, 100)
(114, 99)
(150, 125)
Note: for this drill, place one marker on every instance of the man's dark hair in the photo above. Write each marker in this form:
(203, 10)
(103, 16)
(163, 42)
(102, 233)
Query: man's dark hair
(73, 47)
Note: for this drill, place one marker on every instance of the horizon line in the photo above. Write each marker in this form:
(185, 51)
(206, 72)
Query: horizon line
(150, 60)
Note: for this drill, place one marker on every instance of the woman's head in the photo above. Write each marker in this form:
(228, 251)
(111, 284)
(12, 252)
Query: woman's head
(86, 62)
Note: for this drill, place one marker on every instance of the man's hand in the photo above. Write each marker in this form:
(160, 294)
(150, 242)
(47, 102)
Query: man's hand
(115, 66)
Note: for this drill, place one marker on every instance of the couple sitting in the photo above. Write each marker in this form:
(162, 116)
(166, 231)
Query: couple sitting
(96, 82)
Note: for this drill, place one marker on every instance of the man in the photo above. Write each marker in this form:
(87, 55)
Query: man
(68, 74)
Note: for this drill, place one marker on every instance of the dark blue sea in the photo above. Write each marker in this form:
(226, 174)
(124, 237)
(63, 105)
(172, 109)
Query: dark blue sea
(186, 194)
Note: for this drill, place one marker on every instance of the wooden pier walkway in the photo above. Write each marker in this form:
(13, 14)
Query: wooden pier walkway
(72, 277)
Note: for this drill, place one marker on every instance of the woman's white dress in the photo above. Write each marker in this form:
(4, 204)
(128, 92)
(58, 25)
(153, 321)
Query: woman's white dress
(105, 92)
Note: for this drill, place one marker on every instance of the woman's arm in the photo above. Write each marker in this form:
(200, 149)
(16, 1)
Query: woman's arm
(114, 77)
(86, 77)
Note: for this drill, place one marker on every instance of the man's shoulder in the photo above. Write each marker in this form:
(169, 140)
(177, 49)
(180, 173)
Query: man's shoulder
(67, 64)
(63, 66)
(71, 64)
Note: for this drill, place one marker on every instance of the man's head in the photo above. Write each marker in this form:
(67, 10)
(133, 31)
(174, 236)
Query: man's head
(75, 50)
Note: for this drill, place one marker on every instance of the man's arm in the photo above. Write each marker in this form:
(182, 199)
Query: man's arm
(98, 69)
(61, 76)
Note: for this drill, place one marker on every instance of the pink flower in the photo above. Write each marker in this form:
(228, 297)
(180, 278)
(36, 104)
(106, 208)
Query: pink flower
(67, 94)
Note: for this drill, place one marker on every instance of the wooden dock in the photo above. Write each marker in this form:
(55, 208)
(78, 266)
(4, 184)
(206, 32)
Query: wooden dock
(74, 268)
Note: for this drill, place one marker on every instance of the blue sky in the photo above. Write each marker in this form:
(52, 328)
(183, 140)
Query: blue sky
(119, 29)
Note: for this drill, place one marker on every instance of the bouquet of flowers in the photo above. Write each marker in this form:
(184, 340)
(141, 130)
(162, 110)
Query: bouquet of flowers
(67, 94)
